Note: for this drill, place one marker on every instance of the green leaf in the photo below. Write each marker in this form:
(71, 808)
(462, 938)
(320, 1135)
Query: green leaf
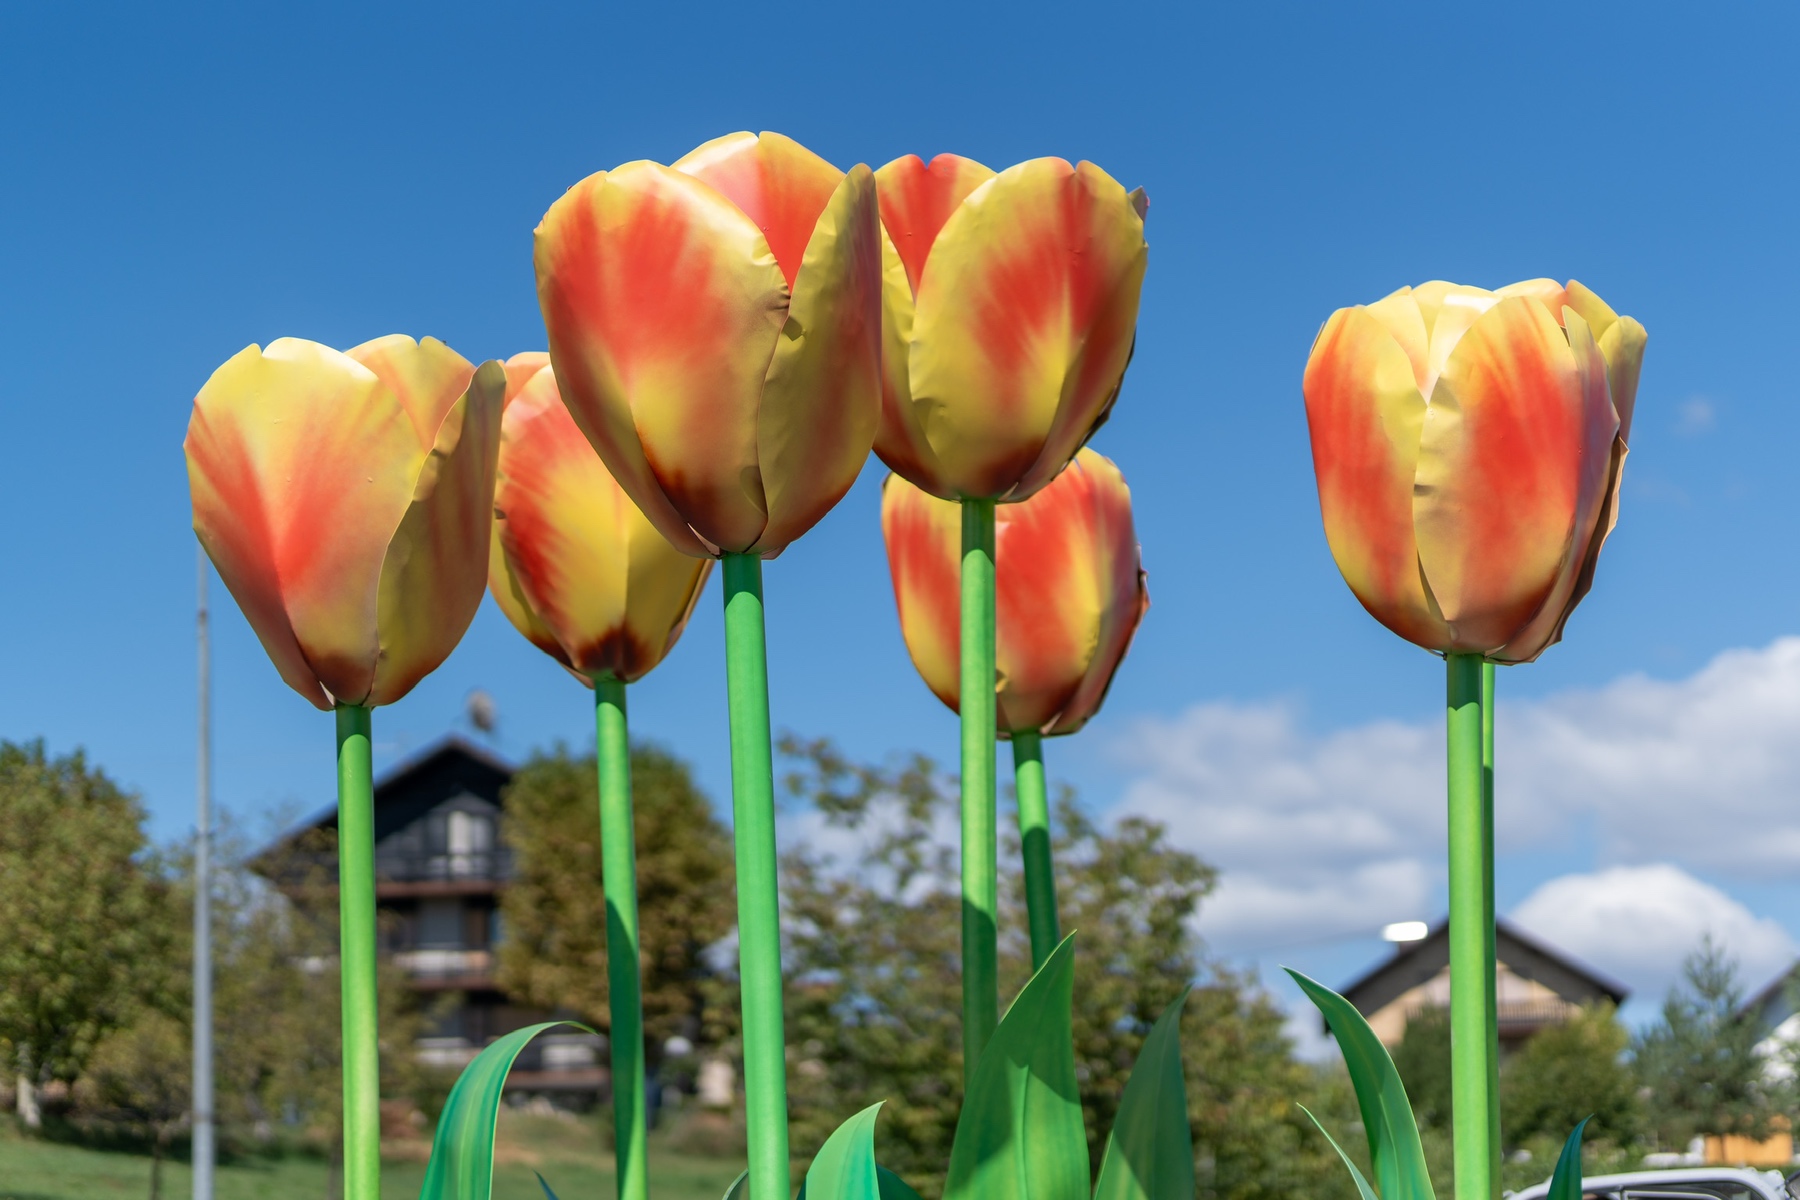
(844, 1168)
(740, 1187)
(1362, 1184)
(893, 1187)
(1394, 1149)
(1019, 1135)
(1565, 1181)
(462, 1154)
(1150, 1152)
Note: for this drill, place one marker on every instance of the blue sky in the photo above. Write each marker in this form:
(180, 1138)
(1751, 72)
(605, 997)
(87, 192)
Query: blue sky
(179, 182)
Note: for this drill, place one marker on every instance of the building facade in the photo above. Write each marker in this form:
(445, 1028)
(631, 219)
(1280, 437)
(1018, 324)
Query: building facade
(441, 866)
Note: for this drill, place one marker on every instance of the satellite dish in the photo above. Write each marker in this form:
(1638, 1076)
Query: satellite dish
(482, 711)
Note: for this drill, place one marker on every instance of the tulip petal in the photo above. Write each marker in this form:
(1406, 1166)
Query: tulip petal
(1598, 432)
(1365, 416)
(503, 582)
(924, 546)
(900, 440)
(1595, 311)
(663, 304)
(778, 183)
(1070, 596)
(509, 593)
(822, 400)
(520, 368)
(301, 463)
(427, 377)
(917, 199)
(1024, 324)
(611, 592)
(437, 565)
(1500, 476)
(1399, 313)
(1623, 346)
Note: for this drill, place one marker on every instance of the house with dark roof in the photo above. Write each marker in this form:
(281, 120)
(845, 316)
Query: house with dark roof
(440, 869)
(1536, 985)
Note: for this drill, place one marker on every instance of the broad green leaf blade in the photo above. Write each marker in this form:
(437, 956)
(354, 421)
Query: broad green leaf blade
(1394, 1149)
(462, 1154)
(844, 1167)
(1362, 1184)
(740, 1187)
(1020, 1136)
(1150, 1152)
(893, 1187)
(1565, 1181)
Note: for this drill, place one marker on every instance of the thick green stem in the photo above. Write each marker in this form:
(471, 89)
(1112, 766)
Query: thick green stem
(759, 911)
(356, 955)
(980, 832)
(1472, 1052)
(624, 992)
(1491, 996)
(1034, 844)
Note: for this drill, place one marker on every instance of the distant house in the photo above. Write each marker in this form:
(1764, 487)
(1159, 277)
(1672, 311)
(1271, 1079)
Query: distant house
(440, 868)
(1536, 985)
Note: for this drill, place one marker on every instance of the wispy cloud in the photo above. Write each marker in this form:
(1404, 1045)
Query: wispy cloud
(1695, 415)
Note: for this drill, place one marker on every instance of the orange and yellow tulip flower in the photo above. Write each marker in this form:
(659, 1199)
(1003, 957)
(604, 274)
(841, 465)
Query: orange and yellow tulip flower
(345, 499)
(1010, 307)
(1069, 593)
(576, 566)
(1468, 446)
(716, 330)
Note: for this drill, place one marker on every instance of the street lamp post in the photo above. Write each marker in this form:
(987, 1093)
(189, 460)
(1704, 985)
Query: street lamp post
(203, 1023)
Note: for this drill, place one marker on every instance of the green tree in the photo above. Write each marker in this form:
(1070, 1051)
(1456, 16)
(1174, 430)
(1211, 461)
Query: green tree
(1567, 1072)
(136, 1083)
(1698, 1064)
(83, 935)
(554, 951)
(1423, 1059)
(872, 927)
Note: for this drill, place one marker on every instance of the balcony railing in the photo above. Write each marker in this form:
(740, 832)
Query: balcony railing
(496, 865)
(426, 966)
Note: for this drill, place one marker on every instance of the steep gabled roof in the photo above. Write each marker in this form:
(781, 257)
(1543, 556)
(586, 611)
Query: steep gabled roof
(1414, 963)
(1775, 1003)
(416, 785)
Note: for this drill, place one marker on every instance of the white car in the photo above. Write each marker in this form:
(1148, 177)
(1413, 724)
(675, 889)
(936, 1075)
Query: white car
(1687, 1183)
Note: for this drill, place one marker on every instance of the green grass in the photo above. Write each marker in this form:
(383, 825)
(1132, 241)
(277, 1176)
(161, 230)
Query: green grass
(567, 1152)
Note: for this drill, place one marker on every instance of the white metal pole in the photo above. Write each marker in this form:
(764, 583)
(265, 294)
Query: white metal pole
(203, 1017)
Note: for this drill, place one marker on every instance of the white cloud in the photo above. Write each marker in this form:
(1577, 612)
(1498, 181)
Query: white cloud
(1337, 833)
(1638, 923)
(1695, 415)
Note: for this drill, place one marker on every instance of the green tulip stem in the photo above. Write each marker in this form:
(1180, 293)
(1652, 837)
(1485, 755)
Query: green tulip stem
(759, 909)
(1034, 844)
(1491, 996)
(356, 954)
(624, 994)
(1472, 1050)
(980, 832)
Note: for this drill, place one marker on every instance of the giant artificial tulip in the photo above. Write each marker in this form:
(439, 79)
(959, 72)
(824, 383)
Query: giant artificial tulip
(1009, 314)
(345, 499)
(588, 580)
(716, 330)
(1069, 594)
(1468, 446)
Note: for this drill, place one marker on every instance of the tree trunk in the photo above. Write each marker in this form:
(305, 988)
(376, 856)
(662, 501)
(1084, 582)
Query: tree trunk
(27, 1102)
(156, 1157)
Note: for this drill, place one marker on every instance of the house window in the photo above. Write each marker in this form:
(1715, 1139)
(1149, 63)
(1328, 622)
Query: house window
(471, 841)
(441, 924)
